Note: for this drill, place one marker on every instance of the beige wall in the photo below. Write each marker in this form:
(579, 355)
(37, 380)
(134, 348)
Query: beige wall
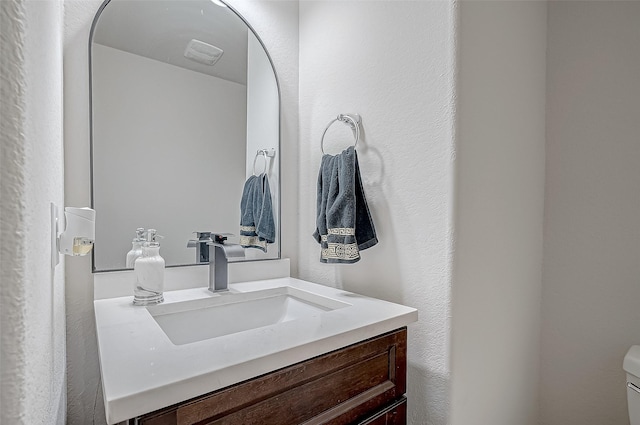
(591, 290)
(499, 213)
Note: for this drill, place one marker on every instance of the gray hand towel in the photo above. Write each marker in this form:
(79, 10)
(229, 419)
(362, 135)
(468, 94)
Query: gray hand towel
(257, 227)
(344, 226)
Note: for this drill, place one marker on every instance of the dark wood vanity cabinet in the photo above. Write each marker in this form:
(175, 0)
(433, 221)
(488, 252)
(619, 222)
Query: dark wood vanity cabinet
(361, 384)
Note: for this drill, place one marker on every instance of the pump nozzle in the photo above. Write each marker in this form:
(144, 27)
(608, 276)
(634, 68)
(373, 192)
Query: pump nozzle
(140, 234)
(153, 237)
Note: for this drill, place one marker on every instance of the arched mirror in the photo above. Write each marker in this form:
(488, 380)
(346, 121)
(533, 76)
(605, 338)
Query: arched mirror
(183, 97)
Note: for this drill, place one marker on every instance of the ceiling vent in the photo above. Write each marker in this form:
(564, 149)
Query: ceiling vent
(201, 52)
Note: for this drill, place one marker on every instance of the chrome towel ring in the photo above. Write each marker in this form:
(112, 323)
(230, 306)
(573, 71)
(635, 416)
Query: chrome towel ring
(352, 120)
(266, 153)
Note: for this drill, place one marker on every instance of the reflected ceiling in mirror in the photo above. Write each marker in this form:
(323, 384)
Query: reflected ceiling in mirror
(183, 96)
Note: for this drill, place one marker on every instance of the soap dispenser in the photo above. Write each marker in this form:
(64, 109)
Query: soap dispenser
(136, 249)
(149, 272)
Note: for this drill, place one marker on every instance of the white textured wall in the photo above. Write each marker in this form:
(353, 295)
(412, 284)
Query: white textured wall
(32, 322)
(499, 213)
(591, 287)
(391, 62)
(277, 25)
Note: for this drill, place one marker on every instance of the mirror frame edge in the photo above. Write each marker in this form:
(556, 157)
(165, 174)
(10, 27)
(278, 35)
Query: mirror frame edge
(275, 74)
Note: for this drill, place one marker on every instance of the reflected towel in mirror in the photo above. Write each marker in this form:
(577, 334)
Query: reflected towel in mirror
(257, 228)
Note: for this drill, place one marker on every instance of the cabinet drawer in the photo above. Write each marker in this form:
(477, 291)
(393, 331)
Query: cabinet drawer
(341, 387)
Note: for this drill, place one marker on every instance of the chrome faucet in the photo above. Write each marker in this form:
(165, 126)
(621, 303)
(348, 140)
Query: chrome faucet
(200, 244)
(218, 270)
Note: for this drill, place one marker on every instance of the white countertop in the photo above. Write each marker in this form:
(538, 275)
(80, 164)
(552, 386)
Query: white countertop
(143, 371)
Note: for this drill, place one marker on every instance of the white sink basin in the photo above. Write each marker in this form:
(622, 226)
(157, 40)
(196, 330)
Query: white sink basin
(229, 313)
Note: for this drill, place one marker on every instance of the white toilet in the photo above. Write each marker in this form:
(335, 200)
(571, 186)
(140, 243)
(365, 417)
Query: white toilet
(632, 366)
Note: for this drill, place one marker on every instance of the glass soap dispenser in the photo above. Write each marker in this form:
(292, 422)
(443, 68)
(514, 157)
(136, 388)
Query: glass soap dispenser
(136, 249)
(149, 272)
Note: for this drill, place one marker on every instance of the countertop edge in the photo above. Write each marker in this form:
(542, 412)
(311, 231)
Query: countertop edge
(130, 407)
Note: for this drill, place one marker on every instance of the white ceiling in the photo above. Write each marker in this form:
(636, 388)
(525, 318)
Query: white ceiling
(161, 30)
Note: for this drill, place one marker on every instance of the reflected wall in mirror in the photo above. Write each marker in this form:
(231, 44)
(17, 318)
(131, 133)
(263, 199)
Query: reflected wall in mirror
(174, 137)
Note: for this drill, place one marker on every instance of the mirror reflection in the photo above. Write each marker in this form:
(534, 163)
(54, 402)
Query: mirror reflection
(183, 97)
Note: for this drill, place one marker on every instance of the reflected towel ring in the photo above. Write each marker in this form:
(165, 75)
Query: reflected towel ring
(352, 120)
(263, 153)
(266, 153)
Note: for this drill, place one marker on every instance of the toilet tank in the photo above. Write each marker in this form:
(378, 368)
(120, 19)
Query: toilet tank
(631, 365)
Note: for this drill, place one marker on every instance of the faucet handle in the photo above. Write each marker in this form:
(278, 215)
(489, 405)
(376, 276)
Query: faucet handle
(201, 238)
(208, 238)
(220, 237)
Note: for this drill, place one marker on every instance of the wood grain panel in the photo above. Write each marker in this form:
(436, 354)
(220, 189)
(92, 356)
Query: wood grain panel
(338, 388)
(396, 414)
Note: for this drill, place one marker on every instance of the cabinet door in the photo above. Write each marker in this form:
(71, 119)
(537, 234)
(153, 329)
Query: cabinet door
(338, 388)
(396, 414)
